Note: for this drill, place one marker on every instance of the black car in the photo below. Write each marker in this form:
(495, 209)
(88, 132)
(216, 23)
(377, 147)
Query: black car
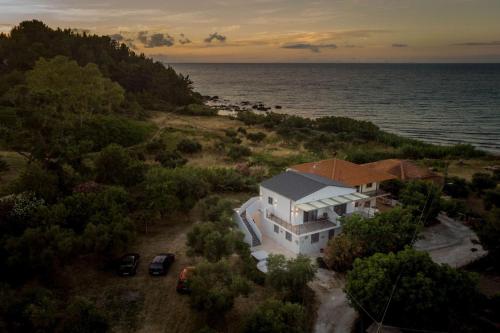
(161, 263)
(128, 263)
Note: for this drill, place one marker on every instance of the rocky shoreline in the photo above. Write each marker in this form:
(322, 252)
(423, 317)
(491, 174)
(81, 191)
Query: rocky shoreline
(227, 106)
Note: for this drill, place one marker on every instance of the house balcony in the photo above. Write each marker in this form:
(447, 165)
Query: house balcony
(307, 227)
(376, 193)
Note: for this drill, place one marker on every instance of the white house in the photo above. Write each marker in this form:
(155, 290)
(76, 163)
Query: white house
(299, 211)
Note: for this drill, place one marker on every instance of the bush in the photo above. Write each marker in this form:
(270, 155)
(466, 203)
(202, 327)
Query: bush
(256, 137)
(489, 234)
(453, 208)
(39, 181)
(483, 181)
(290, 275)
(275, 316)
(341, 252)
(213, 240)
(170, 159)
(4, 166)
(456, 187)
(189, 146)
(82, 316)
(492, 198)
(227, 180)
(237, 152)
(214, 286)
(231, 133)
(198, 110)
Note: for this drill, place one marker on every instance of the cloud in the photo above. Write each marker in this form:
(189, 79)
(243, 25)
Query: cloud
(184, 40)
(307, 46)
(492, 43)
(155, 40)
(399, 45)
(215, 36)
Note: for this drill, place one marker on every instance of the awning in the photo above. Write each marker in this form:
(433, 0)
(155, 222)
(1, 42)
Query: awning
(333, 201)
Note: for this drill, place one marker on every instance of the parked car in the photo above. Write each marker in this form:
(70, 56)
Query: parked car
(128, 263)
(161, 263)
(183, 282)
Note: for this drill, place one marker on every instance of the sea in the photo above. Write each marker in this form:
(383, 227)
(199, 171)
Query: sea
(438, 103)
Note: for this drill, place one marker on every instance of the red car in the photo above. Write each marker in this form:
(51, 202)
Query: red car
(183, 282)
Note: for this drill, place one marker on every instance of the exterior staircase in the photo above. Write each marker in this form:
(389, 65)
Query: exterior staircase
(255, 239)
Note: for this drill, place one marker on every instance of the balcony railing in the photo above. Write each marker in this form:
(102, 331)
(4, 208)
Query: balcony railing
(376, 193)
(305, 228)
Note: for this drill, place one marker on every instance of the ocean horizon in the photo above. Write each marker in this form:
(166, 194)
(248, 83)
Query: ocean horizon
(442, 103)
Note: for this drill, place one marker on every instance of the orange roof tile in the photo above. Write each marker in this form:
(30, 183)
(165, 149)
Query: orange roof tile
(403, 169)
(343, 171)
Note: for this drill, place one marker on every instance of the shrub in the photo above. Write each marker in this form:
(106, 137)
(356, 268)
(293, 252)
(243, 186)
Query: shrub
(82, 316)
(237, 152)
(198, 110)
(341, 252)
(214, 286)
(231, 133)
(256, 137)
(227, 180)
(170, 159)
(492, 198)
(290, 275)
(489, 234)
(275, 316)
(456, 187)
(453, 208)
(483, 181)
(4, 166)
(189, 146)
(39, 181)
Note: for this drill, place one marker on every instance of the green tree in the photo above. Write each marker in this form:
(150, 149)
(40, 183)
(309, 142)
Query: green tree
(387, 232)
(275, 316)
(214, 286)
(422, 198)
(213, 242)
(115, 165)
(489, 234)
(82, 316)
(290, 275)
(427, 295)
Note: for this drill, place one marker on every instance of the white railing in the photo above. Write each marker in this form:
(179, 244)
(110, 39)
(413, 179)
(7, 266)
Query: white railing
(249, 208)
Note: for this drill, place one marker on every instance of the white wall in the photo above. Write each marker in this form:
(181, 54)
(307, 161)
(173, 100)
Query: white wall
(364, 188)
(280, 237)
(281, 205)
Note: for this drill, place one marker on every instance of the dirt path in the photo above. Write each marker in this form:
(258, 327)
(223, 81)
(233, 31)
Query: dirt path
(334, 313)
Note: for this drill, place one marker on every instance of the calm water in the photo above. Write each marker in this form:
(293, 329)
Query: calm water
(439, 103)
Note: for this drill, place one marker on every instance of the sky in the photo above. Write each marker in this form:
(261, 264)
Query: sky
(281, 30)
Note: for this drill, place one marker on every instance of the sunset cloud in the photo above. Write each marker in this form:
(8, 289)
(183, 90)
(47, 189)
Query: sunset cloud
(215, 36)
(310, 47)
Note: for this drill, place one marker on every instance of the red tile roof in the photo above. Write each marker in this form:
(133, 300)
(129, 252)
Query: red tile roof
(402, 169)
(343, 171)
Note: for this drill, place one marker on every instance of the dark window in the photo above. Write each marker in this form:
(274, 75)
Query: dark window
(331, 233)
(310, 216)
(369, 185)
(340, 209)
(367, 204)
(315, 238)
(276, 229)
(270, 200)
(288, 236)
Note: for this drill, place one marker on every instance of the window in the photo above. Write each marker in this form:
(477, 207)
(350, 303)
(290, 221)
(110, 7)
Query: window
(288, 236)
(270, 200)
(340, 209)
(310, 216)
(315, 238)
(367, 204)
(369, 185)
(331, 233)
(276, 229)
